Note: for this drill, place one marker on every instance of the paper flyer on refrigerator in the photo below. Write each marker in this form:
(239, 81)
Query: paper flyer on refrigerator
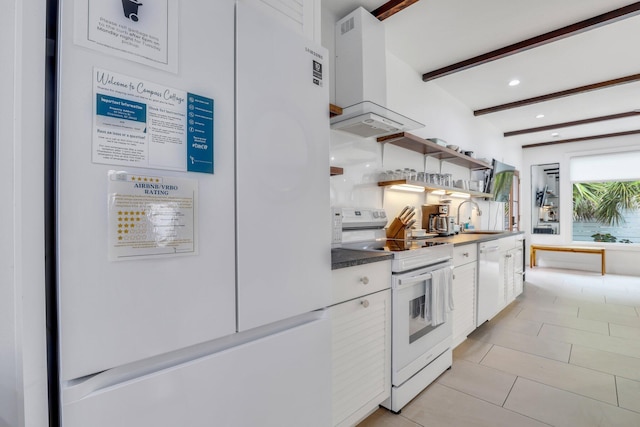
(145, 124)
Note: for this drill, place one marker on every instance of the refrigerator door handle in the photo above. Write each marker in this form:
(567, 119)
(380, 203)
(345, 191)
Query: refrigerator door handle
(81, 388)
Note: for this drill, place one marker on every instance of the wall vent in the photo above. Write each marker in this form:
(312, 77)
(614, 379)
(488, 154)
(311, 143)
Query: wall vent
(347, 26)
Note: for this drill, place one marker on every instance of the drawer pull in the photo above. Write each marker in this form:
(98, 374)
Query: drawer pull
(365, 303)
(365, 280)
(465, 254)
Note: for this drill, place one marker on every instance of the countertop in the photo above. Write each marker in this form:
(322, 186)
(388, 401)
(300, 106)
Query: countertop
(468, 238)
(343, 258)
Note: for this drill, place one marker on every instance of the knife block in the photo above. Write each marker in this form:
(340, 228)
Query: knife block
(396, 229)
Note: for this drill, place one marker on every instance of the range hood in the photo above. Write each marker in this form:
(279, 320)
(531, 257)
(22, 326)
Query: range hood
(361, 79)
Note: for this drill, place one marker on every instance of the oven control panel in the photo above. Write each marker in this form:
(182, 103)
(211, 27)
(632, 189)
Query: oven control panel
(353, 219)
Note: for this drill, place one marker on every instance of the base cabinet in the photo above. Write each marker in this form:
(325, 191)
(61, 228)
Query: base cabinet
(513, 268)
(361, 356)
(465, 275)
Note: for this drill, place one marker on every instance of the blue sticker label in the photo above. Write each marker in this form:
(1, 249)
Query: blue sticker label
(118, 108)
(199, 133)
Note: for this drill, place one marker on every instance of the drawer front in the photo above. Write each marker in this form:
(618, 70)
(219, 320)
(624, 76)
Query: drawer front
(353, 282)
(465, 254)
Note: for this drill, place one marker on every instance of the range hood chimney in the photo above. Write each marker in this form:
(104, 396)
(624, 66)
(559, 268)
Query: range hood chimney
(361, 79)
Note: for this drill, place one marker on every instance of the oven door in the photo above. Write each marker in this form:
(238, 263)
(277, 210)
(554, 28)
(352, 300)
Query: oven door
(415, 341)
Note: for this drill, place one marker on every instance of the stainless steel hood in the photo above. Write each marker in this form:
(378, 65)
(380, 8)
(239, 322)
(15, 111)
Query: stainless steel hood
(361, 79)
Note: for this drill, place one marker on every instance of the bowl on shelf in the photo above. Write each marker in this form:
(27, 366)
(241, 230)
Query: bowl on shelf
(439, 141)
(453, 147)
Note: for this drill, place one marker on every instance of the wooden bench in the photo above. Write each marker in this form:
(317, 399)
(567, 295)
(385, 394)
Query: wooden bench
(576, 249)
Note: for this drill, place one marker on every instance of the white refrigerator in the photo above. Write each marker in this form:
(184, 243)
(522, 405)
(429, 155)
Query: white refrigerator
(213, 313)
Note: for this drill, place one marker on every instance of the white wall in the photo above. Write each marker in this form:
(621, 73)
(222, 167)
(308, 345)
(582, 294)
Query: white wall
(444, 117)
(23, 380)
(620, 259)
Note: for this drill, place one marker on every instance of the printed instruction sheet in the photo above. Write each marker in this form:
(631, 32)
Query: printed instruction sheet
(137, 30)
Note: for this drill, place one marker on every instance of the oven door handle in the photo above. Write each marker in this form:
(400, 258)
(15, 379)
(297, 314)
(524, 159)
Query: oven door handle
(414, 280)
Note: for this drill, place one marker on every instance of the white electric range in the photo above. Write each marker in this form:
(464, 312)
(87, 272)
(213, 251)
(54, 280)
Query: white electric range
(421, 292)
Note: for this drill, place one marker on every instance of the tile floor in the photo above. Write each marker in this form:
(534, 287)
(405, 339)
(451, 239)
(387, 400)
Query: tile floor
(565, 353)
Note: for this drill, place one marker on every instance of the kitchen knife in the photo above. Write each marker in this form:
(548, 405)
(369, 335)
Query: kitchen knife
(408, 217)
(408, 212)
(409, 224)
(406, 208)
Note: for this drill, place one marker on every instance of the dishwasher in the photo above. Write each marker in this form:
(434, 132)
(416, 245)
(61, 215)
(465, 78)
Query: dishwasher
(488, 281)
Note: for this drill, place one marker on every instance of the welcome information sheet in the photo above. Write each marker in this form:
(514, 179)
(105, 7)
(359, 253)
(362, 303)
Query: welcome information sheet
(144, 124)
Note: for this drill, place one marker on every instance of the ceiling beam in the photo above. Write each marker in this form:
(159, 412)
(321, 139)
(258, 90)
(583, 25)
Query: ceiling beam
(584, 138)
(550, 37)
(391, 7)
(561, 94)
(573, 123)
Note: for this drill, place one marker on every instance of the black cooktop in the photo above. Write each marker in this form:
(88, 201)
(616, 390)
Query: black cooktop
(393, 245)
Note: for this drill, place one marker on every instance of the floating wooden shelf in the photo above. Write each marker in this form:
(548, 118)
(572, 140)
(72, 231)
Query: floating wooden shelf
(433, 187)
(428, 148)
(336, 171)
(334, 110)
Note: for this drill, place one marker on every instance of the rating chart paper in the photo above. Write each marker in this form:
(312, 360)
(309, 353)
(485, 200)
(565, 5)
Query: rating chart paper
(151, 216)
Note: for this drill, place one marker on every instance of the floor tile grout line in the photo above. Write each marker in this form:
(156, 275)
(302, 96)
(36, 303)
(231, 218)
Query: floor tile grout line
(615, 382)
(409, 419)
(620, 339)
(521, 414)
(485, 355)
(574, 393)
(558, 388)
(509, 392)
(469, 394)
(570, 353)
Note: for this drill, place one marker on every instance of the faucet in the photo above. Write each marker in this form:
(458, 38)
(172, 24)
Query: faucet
(468, 201)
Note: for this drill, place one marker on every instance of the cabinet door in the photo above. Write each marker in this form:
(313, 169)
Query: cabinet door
(302, 16)
(509, 277)
(518, 271)
(502, 282)
(464, 301)
(361, 356)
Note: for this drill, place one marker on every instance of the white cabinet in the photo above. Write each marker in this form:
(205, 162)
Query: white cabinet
(352, 282)
(302, 16)
(361, 343)
(465, 275)
(515, 273)
(500, 275)
(511, 268)
(490, 281)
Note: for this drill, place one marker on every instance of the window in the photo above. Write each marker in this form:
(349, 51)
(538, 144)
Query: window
(606, 197)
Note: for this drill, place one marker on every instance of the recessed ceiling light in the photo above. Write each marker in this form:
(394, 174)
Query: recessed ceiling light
(539, 116)
(514, 82)
(555, 134)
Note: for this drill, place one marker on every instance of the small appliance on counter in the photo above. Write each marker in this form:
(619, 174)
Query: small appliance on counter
(436, 219)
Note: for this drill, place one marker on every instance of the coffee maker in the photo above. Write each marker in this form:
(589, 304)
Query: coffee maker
(436, 219)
